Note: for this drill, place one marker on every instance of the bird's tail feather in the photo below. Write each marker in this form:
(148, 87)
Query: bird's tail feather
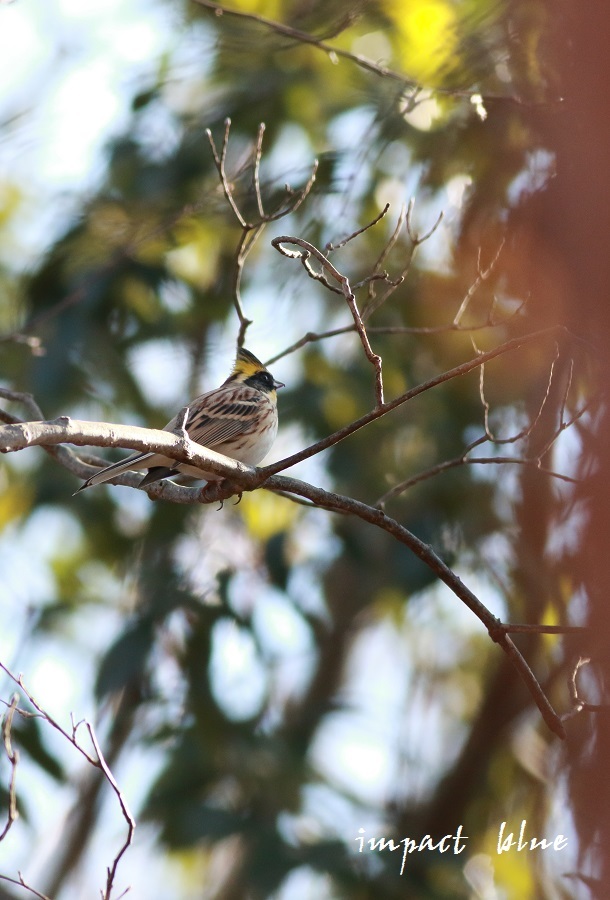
(137, 461)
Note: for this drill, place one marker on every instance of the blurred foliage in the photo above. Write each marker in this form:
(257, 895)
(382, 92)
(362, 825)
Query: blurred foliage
(242, 634)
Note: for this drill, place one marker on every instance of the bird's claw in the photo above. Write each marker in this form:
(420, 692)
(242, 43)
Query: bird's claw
(219, 491)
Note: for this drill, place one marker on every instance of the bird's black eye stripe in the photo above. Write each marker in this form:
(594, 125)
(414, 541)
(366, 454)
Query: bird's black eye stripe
(263, 381)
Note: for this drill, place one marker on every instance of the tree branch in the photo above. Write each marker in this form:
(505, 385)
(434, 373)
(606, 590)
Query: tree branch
(13, 758)
(335, 52)
(251, 231)
(496, 629)
(238, 477)
(98, 761)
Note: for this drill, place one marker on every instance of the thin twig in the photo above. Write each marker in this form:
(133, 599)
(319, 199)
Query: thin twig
(496, 629)
(21, 882)
(414, 237)
(334, 52)
(13, 758)
(303, 255)
(246, 242)
(330, 246)
(251, 231)
(482, 275)
(220, 159)
(131, 824)
(372, 302)
(529, 428)
(313, 337)
(546, 629)
(256, 170)
(98, 761)
(462, 460)
(578, 704)
(564, 399)
(47, 716)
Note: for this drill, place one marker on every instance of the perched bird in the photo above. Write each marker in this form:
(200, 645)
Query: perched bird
(238, 419)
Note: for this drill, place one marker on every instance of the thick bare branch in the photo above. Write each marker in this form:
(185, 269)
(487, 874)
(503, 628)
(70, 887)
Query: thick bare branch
(19, 435)
(238, 478)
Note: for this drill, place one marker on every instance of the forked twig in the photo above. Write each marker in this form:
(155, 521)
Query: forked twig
(417, 239)
(373, 302)
(131, 824)
(482, 275)
(529, 428)
(220, 159)
(98, 761)
(13, 758)
(308, 250)
(21, 882)
(534, 461)
(251, 230)
(578, 704)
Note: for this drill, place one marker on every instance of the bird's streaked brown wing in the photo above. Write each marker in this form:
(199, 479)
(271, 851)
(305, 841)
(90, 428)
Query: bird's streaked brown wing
(223, 418)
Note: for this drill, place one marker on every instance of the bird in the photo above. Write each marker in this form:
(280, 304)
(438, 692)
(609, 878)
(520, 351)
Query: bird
(238, 419)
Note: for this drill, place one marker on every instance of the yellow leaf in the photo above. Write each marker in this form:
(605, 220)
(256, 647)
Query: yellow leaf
(265, 514)
(15, 502)
(427, 36)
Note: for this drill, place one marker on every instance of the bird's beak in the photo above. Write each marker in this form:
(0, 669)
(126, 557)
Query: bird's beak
(278, 384)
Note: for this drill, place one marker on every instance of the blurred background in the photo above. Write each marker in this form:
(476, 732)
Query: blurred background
(271, 682)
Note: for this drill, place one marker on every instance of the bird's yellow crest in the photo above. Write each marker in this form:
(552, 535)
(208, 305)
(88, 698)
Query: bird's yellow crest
(246, 364)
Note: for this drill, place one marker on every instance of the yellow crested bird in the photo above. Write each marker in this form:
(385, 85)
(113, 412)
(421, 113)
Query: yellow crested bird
(238, 419)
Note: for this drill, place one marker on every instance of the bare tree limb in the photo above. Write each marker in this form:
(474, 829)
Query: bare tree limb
(248, 479)
(496, 629)
(238, 478)
(334, 53)
(18, 435)
(378, 412)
